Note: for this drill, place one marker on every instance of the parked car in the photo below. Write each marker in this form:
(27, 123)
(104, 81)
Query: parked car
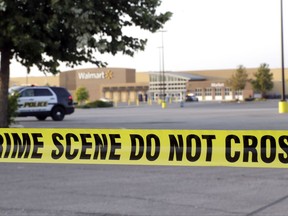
(43, 101)
(191, 98)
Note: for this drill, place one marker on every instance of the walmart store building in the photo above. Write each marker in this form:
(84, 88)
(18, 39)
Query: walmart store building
(125, 85)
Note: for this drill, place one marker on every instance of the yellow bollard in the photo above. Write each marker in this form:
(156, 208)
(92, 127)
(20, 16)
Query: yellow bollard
(149, 101)
(137, 102)
(163, 105)
(283, 107)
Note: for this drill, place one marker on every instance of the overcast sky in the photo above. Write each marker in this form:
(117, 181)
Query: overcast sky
(208, 34)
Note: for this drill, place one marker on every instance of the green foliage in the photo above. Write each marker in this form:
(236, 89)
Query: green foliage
(82, 94)
(239, 79)
(45, 33)
(97, 104)
(263, 81)
(12, 108)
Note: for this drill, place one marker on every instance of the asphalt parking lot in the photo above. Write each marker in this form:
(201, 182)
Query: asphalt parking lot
(110, 190)
(259, 115)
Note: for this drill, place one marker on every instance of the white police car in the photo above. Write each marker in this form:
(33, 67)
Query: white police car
(43, 101)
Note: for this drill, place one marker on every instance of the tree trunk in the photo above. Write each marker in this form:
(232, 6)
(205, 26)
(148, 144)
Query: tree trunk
(4, 85)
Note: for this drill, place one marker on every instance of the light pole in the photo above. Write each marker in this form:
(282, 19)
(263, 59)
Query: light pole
(282, 54)
(163, 84)
(160, 75)
(283, 108)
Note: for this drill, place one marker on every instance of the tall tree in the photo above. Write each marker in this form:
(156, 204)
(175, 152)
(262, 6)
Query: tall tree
(238, 80)
(47, 32)
(263, 81)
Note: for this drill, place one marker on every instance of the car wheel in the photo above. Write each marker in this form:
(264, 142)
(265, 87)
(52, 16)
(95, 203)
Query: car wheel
(41, 117)
(58, 114)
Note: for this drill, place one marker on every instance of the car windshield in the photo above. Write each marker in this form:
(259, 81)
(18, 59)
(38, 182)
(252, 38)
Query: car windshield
(14, 89)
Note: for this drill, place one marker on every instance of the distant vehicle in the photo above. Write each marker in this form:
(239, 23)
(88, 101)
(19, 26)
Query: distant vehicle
(106, 100)
(191, 98)
(43, 101)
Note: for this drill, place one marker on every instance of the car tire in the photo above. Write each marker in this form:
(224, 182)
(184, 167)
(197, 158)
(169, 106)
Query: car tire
(58, 114)
(41, 117)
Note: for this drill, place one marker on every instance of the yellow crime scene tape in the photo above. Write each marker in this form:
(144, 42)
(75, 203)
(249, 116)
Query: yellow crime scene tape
(234, 148)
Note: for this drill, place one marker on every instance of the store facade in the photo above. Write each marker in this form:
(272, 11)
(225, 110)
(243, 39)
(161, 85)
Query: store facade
(170, 85)
(94, 80)
(125, 85)
(218, 91)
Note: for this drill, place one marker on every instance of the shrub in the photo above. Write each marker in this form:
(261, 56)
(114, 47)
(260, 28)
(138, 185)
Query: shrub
(97, 104)
(82, 94)
(12, 108)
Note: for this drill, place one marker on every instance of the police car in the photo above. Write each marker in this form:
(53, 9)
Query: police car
(43, 101)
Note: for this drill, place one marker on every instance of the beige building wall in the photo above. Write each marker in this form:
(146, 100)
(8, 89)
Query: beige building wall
(130, 75)
(142, 77)
(218, 75)
(94, 78)
(277, 79)
(217, 90)
(125, 92)
(124, 84)
(68, 79)
(32, 80)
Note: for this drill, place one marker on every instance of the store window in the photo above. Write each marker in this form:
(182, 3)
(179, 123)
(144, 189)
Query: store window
(228, 91)
(238, 92)
(218, 92)
(198, 91)
(208, 92)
